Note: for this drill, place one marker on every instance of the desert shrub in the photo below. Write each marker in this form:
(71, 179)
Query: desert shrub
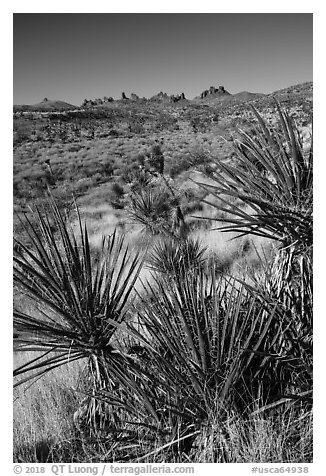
(114, 133)
(117, 189)
(155, 161)
(138, 159)
(23, 130)
(83, 184)
(117, 193)
(98, 178)
(166, 121)
(20, 136)
(74, 148)
(106, 169)
(179, 164)
(199, 123)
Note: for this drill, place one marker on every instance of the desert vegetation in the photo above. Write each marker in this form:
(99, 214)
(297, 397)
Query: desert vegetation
(163, 284)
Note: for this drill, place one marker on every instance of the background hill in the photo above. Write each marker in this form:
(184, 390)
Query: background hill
(46, 105)
(243, 96)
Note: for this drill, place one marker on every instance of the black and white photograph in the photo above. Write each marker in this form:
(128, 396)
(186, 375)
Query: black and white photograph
(162, 240)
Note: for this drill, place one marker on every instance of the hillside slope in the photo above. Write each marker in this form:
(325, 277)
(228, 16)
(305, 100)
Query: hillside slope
(46, 105)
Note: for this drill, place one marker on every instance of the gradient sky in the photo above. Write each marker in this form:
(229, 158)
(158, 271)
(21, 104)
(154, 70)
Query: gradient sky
(76, 56)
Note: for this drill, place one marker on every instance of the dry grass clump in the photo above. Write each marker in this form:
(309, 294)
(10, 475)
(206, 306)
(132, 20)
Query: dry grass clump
(43, 412)
(284, 437)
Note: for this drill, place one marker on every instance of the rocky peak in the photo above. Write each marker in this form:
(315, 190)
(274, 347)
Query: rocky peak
(213, 92)
(164, 97)
(178, 97)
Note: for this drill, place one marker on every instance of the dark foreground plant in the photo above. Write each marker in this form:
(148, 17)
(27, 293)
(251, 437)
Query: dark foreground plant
(202, 345)
(77, 297)
(268, 192)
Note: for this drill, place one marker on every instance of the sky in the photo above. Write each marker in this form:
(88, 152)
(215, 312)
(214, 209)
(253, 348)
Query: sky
(76, 56)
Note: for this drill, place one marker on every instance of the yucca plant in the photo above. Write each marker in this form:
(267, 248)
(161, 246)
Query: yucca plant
(273, 178)
(270, 185)
(152, 208)
(287, 280)
(78, 296)
(157, 208)
(172, 256)
(195, 338)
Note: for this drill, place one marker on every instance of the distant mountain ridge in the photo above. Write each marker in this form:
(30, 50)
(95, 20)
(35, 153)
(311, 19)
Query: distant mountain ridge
(211, 96)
